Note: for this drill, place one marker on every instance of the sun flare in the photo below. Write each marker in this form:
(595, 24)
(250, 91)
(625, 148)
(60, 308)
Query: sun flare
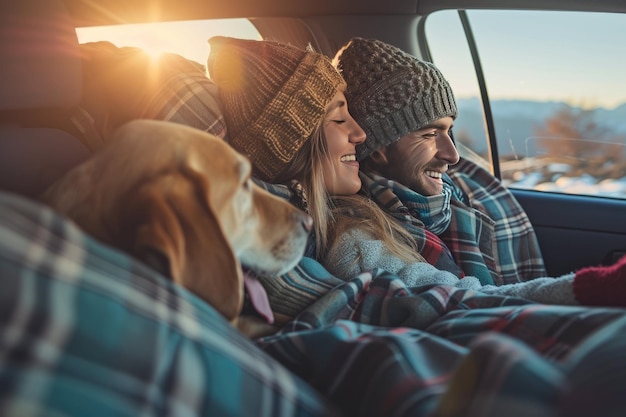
(189, 39)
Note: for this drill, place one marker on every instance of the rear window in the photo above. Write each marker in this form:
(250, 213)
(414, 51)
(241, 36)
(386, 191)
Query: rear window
(186, 38)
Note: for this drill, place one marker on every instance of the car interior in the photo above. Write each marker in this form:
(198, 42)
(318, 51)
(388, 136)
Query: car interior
(573, 230)
(42, 83)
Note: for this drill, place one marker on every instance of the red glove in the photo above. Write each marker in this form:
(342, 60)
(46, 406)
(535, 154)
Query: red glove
(602, 285)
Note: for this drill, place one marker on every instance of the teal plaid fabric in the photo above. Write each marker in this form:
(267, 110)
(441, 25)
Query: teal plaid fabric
(377, 348)
(488, 234)
(86, 331)
(496, 228)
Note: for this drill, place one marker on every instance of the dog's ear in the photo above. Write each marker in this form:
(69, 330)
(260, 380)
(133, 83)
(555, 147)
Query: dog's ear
(180, 236)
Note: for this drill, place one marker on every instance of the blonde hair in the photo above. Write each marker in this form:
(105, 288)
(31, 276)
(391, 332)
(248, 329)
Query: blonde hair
(333, 215)
(360, 212)
(306, 167)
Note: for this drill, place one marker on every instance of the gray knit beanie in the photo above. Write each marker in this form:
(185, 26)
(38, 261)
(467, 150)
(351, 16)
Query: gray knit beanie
(391, 93)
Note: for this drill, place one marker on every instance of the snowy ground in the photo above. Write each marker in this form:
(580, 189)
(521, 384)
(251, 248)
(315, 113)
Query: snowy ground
(560, 182)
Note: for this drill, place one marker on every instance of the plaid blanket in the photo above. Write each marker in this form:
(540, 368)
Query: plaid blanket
(517, 253)
(488, 235)
(123, 84)
(377, 348)
(85, 330)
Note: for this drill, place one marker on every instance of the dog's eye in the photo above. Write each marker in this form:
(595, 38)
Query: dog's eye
(247, 185)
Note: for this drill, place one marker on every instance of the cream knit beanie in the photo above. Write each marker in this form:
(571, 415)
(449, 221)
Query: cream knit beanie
(273, 97)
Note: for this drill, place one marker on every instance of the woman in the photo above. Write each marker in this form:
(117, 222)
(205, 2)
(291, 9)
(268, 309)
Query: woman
(285, 109)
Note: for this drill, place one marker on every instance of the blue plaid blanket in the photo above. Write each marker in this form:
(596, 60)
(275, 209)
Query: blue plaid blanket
(85, 330)
(377, 348)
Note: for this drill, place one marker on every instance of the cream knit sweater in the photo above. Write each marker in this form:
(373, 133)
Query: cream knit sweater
(356, 251)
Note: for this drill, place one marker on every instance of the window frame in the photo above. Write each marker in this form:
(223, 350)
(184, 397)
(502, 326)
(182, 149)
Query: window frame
(492, 158)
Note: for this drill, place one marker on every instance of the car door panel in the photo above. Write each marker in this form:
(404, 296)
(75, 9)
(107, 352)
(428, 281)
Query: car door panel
(575, 231)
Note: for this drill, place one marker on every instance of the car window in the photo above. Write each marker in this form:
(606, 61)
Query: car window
(559, 110)
(186, 38)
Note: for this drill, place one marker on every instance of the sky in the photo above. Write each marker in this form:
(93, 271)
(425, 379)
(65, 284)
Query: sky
(518, 51)
(579, 58)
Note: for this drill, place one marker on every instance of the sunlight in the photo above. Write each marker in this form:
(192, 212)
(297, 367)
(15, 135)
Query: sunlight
(153, 52)
(189, 39)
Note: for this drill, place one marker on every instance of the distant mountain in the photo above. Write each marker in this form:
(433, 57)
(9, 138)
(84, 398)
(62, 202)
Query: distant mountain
(516, 121)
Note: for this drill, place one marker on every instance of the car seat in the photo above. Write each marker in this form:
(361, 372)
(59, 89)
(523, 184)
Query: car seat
(40, 83)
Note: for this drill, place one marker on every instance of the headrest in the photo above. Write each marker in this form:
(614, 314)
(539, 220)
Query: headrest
(39, 53)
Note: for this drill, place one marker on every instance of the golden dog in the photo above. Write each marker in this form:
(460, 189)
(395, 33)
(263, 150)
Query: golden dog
(182, 201)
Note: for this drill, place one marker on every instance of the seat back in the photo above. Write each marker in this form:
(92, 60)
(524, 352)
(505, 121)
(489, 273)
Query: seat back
(40, 84)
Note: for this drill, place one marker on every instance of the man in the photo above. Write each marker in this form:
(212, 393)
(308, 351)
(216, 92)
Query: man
(411, 167)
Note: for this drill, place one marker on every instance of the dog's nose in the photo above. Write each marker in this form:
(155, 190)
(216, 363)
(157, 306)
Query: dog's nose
(307, 221)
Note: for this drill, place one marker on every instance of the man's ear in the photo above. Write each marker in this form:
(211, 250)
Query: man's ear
(378, 159)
